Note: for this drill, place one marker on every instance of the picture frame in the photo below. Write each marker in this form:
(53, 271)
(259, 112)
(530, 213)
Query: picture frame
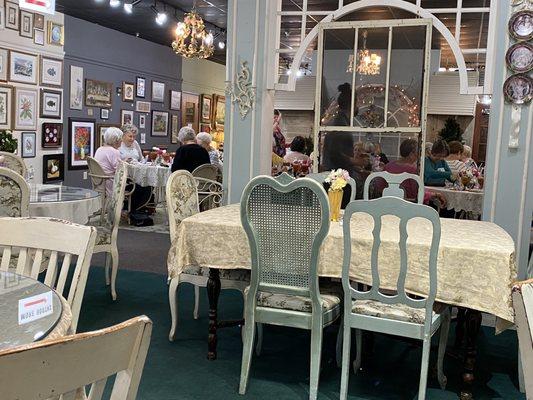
(205, 128)
(28, 144)
(104, 113)
(81, 143)
(6, 107)
(189, 110)
(51, 72)
(2, 18)
(140, 87)
(56, 34)
(53, 168)
(159, 123)
(175, 100)
(4, 64)
(38, 21)
(51, 102)
(26, 24)
(51, 135)
(219, 113)
(143, 106)
(77, 89)
(174, 128)
(142, 121)
(25, 109)
(100, 130)
(23, 67)
(158, 92)
(128, 92)
(207, 102)
(126, 117)
(12, 15)
(38, 37)
(98, 93)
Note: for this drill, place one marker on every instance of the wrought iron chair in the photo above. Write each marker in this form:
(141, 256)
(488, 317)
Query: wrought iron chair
(394, 185)
(206, 171)
(321, 176)
(286, 221)
(397, 313)
(182, 202)
(14, 163)
(523, 306)
(15, 194)
(209, 193)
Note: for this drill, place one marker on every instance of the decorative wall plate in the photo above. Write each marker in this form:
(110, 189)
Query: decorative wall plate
(518, 89)
(519, 57)
(521, 25)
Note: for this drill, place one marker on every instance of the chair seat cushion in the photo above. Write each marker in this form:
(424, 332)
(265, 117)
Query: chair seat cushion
(228, 274)
(103, 233)
(398, 312)
(294, 303)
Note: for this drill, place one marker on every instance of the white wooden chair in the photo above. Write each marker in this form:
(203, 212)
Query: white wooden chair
(182, 202)
(523, 307)
(32, 237)
(14, 163)
(14, 194)
(106, 240)
(63, 367)
(99, 181)
(394, 185)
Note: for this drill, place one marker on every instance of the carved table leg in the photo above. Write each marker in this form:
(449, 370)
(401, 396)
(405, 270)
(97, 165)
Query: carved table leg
(213, 292)
(472, 320)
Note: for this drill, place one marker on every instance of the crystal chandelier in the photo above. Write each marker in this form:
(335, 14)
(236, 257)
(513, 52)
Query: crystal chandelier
(192, 40)
(369, 63)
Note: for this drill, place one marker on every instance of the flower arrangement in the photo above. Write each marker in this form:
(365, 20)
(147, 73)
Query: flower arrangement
(469, 178)
(337, 179)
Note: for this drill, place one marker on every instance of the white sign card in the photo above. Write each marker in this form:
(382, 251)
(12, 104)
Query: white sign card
(35, 307)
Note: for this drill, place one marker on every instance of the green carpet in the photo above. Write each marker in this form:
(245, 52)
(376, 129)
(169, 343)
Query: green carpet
(180, 370)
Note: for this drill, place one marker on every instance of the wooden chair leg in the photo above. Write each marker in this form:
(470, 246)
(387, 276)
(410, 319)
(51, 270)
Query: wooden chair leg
(114, 270)
(443, 340)
(196, 301)
(173, 302)
(316, 353)
(359, 349)
(107, 264)
(259, 343)
(345, 374)
(249, 333)
(424, 369)
(338, 345)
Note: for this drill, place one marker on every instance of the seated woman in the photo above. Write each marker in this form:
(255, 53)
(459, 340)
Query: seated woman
(454, 158)
(296, 153)
(190, 154)
(130, 149)
(204, 139)
(466, 157)
(108, 155)
(436, 170)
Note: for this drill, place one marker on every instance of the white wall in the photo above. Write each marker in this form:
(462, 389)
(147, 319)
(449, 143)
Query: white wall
(203, 76)
(10, 39)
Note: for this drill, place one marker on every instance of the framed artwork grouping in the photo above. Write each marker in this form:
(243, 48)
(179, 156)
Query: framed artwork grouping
(26, 110)
(207, 102)
(6, 107)
(175, 100)
(81, 142)
(126, 117)
(56, 34)
(53, 167)
(51, 72)
(23, 67)
(76, 88)
(12, 15)
(141, 87)
(51, 104)
(128, 92)
(158, 92)
(26, 24)
(28, 144)
(143, 106)
(51, 135)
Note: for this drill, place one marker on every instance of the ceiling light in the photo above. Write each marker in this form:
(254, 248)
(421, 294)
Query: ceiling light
(114, 3)
(221, 45)
(128, 8)
(161, 18)
(192, 40)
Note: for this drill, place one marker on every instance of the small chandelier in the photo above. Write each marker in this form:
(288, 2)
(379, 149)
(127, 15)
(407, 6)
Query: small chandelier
(192, 40)
(369, 63)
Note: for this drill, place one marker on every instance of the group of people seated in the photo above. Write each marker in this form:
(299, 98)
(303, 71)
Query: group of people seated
(444, 161)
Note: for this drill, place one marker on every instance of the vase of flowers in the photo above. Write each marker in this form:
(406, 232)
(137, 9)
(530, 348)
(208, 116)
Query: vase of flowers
(337, 180)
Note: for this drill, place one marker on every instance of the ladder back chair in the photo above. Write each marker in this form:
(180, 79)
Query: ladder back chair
(62, 368)
(395, 185)
(106, 240)
(320, 177)
(523, 307)
(14, 163)
(286, 221)
(99, 181)
(15, 194)
(62, 241)
(392, 313)
(182, 202)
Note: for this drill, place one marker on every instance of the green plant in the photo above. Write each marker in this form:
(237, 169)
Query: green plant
(451, 131)
(7, 142)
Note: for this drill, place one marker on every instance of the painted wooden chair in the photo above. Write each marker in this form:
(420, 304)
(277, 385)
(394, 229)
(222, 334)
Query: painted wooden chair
(15, 194)
(321, 176)
(33, 237)
(523, 307)
(13, 162)
(182, 202)
(286, 221)
(397, 313)
(106, 241)
(99, 181)
(394, 185)
(65, 366)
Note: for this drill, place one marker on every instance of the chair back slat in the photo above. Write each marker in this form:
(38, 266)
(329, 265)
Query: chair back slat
(62, 366)
(6, 258)
(321, 176)
(394, 186)
(37, 260)
(51, 270)
(182, 199)
(63, 274)
(15, 194)
(405, 212)
(97, 389)
(209, 193)
(22, 261)
(14, 163)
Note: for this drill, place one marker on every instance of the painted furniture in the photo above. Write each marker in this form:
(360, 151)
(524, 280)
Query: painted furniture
(206, 171)
(38, 239)
(321, 176)
(523, 306)
(182, 202)
(55, 368)
(280, 215)
(13, 162)
(99, 181)
(15, 194)
(209, 193)
(394, 185)
(396, 312)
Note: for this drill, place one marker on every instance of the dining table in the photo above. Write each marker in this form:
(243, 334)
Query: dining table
(148, 174)
(476, 263)
(469, 201)
(30, 311)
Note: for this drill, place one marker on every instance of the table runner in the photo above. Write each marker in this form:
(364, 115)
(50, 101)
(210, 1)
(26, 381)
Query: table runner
(476, 261)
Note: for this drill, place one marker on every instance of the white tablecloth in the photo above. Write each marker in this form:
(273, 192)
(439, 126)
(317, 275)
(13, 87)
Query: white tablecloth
(148, 175)
(461, 200)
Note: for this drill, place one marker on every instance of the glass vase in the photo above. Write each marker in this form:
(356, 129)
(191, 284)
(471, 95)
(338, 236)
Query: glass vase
(335, 200)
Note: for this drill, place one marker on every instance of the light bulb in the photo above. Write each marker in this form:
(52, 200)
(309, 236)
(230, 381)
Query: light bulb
(299, 73)
(208, 40)
(128, 8)
(180, 29)
(289, 72)
(114, 3)
(161, 18)
(221, 45)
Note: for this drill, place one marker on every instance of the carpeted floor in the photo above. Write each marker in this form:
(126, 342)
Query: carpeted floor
(180, 370)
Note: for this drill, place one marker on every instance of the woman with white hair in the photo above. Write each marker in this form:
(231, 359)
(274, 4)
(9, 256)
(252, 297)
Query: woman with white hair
(130, 149)
(204, 139)
(190, 154)
(108, 155)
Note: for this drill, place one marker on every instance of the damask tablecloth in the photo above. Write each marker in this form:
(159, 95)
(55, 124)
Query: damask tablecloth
(476, 260)
(148, 175)
(461, 200)
(77, 211)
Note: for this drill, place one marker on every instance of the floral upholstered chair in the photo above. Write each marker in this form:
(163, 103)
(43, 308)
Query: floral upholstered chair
(13, 162)
(14, 194)
(182, 202)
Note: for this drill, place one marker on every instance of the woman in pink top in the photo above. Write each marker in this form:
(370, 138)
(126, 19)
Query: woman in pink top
(108, 155)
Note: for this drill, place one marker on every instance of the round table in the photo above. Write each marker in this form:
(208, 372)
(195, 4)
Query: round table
(64, 202)
(148, 174)
(16, 292)
(470, 201)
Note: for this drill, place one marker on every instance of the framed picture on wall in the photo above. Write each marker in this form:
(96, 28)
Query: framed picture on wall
(53, 167)
(205, 128)
(81, 142)
(28, 144)
(23, 67)
(206, 108)
(4, 64)
(189, 110)
(6, 107)
(56, 35)
(98, 93)
(126, 117)
(158, 92)
(26, 24)
(142, 121)
(141, 87)
(12, 15)
(175, 100)
(76, 88)
(51, 72)
(101, 128)
(51, 103)
(128, 91)
(174, 128)
(159, 123)
(220, 113)
(2, 18)
(26, 110)
(104, 113)
(52, 135)
(38, 37)
(143, 106)
(38, 21)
